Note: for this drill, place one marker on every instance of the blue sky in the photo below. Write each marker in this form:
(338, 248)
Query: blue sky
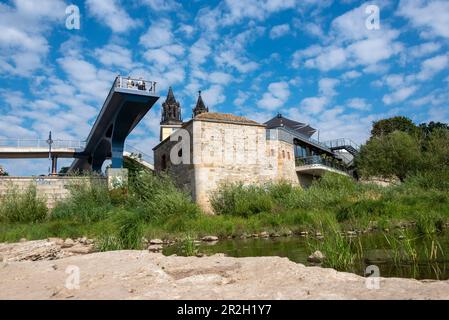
(313, 61)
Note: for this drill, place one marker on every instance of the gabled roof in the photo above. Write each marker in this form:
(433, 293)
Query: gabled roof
(280, 121)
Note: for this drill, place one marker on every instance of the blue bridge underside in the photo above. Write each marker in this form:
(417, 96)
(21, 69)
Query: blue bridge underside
(121, 112)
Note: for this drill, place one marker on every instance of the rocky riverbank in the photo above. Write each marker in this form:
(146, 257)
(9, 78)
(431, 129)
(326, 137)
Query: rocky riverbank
(29, 271)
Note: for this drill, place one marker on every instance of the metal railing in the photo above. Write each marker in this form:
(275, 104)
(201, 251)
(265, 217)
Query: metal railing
(135, 84)
(42, 143)
(294, 134)
(343, 142)
(138, 154)
(318, 160)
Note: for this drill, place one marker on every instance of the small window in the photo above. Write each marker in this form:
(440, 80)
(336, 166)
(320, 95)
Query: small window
(283, 154)
(180, 153)
(164, 162)
(288, 155)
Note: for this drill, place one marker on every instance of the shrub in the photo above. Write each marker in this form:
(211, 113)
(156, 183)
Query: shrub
(24, 206)
(156, 197)
(89, 201)
(240, 200)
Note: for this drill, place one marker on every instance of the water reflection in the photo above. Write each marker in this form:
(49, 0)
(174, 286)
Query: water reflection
(375, 252)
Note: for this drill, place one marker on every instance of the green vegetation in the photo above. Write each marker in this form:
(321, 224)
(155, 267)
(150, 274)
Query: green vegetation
(3, 172)
(22, 207)
(154, 208)
(398, 148)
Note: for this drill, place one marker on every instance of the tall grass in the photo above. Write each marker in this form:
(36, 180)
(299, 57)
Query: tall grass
(22, 207)
(89, 201)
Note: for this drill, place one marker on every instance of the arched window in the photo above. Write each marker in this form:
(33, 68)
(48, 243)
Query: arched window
(283, 154)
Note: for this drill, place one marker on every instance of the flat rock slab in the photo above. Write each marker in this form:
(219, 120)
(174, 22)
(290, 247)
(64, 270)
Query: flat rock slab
(145, 275)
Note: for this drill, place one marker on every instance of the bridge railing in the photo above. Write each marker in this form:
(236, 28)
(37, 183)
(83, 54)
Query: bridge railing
(42, 143)
(139, 154)
(135, 84)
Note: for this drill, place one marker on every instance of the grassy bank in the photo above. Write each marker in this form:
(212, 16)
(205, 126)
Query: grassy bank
(154, 208)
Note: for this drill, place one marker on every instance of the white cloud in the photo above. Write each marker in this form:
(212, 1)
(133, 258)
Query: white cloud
(351, 44)
(424, 49)
(327, 86)
(115, 55)
(400, 95)
(349, 75)
(158, 34)
(237, 10)
(279, 30)
(429, 16)
(277, 95)
(24, 28)
(313, 105)
(242, 97)
(358, 104)
(199, 51)
(162, 5)
(112, 14)
(432, 66)
(213, 95)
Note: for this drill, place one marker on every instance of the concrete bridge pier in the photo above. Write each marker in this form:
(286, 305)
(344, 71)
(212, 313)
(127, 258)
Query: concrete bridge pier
(54, 165)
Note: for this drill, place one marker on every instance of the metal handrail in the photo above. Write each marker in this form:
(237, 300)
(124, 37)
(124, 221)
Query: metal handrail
(318, 160)
(42, 143)
(342, 142)
(306, 138)
(135, 84)
(139, 154)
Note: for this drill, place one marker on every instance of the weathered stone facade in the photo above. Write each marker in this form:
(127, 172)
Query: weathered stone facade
(224, 149)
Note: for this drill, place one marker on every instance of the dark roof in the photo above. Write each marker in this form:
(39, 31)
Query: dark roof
(280, 121)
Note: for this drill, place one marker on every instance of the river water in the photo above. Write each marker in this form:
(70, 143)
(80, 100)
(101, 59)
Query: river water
(375, 252)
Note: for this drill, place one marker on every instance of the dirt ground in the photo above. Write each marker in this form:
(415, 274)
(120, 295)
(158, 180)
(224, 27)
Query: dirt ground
(47, 270)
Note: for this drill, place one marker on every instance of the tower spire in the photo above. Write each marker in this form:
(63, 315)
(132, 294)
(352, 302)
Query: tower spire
(200, 106)
(171, 109)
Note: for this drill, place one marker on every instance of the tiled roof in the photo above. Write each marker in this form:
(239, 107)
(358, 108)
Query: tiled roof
(224, 117)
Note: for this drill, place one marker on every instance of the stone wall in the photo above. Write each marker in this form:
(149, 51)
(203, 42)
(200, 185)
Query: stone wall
(226, 152)
(52, 189)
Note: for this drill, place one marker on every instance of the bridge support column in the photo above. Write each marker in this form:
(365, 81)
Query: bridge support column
(117, 155)
(54, 166)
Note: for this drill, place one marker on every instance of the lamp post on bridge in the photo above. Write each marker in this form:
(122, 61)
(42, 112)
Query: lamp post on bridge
(54, 159)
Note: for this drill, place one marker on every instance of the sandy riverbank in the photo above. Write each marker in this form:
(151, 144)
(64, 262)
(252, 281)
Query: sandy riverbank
(145, 275)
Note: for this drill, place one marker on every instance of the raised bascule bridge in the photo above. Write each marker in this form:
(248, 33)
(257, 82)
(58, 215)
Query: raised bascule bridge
(128, 101)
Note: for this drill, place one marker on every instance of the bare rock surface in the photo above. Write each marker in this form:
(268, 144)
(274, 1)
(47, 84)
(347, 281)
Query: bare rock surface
(50, 249)
(145, 275)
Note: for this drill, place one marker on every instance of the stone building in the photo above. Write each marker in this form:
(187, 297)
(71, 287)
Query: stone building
(215, 148)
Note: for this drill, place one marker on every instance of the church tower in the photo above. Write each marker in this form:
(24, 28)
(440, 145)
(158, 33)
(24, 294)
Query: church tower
(200, 106)
(171, 115)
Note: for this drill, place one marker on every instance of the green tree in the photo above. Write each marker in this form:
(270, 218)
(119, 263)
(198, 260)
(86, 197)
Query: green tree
(428, 128)
(436, 150)
(3, 172)
(397, 154)
(387, 126)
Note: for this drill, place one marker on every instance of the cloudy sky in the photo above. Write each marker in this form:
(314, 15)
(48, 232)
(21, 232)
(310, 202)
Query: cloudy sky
(315, 61)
